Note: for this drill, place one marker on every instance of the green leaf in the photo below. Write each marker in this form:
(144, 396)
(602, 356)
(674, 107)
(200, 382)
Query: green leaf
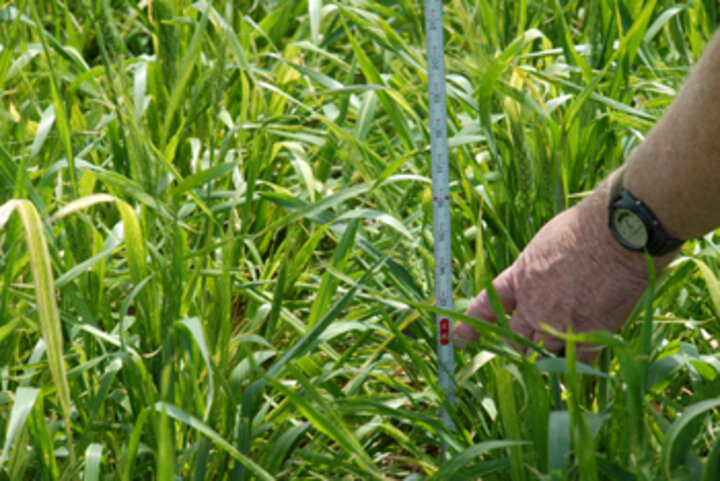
(61, 118)
(450, 469)
(559, 365)
(93, 460)
(312, 336)
(134, 246)
(283, 445)
(496, 304)
(682, 432)
(559, 441)
(511, 421)
(382, 217)
(332, 426)
(711, 469)
(9, 45)
(129, 455)
(713, 285)
(315, 12)
(46, 302)
(308, 210)
(194, 328)
(389, 103)
(180, 415)
(192, 54)
(202, 177)
(46, 122)
(23, 405)
(43, 439)
(569, 49)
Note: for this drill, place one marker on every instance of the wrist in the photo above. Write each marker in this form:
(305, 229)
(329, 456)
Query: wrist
(634, 224)
(632, 262)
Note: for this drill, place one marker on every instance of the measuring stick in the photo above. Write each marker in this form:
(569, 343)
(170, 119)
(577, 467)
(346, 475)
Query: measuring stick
(441, 200)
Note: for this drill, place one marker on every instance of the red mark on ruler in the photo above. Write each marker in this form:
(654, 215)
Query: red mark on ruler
(444, 331)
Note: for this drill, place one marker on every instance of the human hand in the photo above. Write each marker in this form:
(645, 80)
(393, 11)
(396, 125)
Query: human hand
(572, 272)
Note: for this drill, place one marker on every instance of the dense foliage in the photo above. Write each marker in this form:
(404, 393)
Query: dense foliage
(216, 246)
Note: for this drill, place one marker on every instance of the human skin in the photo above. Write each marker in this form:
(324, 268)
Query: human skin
(574, 271)
(676, 170)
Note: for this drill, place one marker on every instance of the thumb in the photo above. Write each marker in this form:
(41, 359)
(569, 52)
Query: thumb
(480, 306)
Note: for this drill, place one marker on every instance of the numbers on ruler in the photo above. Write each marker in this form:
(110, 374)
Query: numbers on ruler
(433, 22)
(436, 61)
(441, 232)
(438, 128)
(439, 168)
(436, 89)
(439, 163)
(442, 267)
(443, 302)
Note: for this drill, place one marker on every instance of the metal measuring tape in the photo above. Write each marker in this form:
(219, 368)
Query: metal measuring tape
(441, 200)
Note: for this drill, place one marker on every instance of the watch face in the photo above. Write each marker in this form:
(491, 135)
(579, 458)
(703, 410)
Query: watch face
(630, 228)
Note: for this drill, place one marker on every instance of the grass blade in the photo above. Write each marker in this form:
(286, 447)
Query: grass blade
(713, 285)
(93, 460)
(679, 437)
(205, 430)
(43, 438)
(559, 442)
(192, 54)
(315, 12)
(194, 329)
(46, 304)
(450, 469)
(61, 118)
(333, 427)
(508, 411)
(23, 405)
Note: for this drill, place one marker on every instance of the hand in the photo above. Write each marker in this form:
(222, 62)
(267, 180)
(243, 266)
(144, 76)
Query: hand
(573, 271)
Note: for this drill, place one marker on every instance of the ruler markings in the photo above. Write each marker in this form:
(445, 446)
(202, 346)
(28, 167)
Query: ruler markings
(441, 200)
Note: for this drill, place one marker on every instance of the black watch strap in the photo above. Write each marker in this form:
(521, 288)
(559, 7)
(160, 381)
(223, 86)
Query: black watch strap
(659, 241)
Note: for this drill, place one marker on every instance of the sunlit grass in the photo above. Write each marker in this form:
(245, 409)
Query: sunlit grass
(237, 278)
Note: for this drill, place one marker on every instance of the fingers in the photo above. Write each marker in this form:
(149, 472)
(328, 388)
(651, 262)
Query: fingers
(586, 353)
(547, 341)
(464, 334)
(480, 308)
(520, 323)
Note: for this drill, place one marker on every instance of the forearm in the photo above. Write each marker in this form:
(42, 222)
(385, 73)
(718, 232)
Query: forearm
(676, 170)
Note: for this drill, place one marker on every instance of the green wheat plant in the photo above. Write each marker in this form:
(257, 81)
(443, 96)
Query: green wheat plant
(216, 246)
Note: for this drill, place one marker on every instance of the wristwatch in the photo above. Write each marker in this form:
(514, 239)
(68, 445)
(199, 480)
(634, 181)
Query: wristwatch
(634, 225)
